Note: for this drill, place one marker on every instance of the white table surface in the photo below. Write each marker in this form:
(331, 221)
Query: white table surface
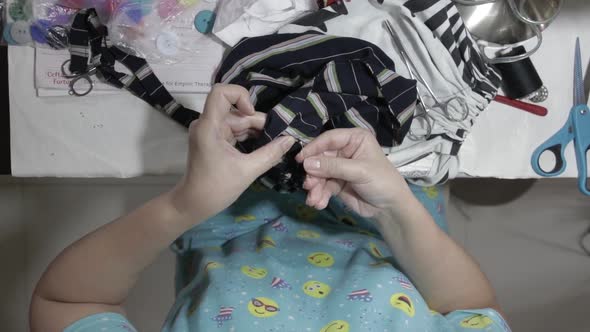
(121, 136)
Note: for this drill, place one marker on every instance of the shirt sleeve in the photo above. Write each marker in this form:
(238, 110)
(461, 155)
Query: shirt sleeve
(488, 320)
(106, 321)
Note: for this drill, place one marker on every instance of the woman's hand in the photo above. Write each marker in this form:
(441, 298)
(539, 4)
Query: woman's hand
(217, 173)
(350, 163)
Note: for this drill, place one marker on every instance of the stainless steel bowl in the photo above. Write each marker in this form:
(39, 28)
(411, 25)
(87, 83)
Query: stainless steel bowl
(508, 22)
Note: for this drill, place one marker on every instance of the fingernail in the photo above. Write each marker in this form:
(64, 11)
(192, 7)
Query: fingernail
(287, 142)
(311, 163)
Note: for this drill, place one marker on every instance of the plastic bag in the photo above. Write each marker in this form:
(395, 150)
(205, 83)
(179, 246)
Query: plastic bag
(163, 30)
(30, 22)
(159, 30)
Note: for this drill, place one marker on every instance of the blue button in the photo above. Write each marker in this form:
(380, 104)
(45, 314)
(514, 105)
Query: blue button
(204, 21)
(6, 35)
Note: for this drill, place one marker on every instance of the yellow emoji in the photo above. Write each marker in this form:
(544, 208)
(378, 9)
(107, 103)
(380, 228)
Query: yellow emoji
(265, 242)
(403, 302)
(212, 265)
(244, 217)
(374, 250)
(316, 289)
(336, 326)
(321, 259)
(307, 234)
(348, 220)
(263, 307)
(253, 272)
(305, 212)
(431, 192)
(476, 321)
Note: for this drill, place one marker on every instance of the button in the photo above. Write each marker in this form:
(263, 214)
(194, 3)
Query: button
(167, 43)
(21, 33)
(18, 11)
(39, 31)
(204, 21)
(6, 34)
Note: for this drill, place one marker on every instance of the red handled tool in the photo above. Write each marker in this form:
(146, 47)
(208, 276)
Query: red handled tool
(531, 108)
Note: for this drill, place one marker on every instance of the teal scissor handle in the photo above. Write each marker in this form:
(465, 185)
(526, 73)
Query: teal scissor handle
(555, 144)
(581, 120)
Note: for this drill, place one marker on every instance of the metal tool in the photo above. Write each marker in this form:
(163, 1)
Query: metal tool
(75, 80)
(577, 128)
(456, 102)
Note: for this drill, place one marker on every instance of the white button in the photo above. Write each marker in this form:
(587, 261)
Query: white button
(167, 43)
(20, 32)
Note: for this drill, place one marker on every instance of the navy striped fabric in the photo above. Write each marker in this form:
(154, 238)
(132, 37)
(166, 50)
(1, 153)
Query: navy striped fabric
(308, 83)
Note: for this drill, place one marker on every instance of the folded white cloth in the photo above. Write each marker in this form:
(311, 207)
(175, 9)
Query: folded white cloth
(237, 19)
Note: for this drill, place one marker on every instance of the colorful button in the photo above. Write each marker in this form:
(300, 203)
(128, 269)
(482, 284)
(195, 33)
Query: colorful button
(167, 43)
(6, 34)
(17, 11)
(21, 33)
(39, 31)
(204, 21)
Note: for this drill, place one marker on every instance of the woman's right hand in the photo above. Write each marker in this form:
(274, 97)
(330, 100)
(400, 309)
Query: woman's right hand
(350, 163)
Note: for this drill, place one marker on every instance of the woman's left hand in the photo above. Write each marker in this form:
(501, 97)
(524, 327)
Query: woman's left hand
(217, 173)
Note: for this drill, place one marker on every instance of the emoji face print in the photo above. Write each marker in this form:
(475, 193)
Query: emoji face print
(305, 212)
(477, 321)
(431, 192)
(316, 289)
(348, 220)
(263, 307)
(321, 259)
(252, 272)
(374, 250)
(403, 302)
(336, 326)
(265, 242)
(307, 234)
(244, 217)
(212, 265)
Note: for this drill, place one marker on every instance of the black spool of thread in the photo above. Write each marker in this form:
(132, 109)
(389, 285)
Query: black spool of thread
(519, 79)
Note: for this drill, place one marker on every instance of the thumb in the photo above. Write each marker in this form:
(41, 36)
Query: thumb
(354, 171)
(265, 157)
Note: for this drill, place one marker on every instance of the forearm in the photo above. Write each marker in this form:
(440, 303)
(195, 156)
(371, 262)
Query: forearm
(103, 266)
(447, 277)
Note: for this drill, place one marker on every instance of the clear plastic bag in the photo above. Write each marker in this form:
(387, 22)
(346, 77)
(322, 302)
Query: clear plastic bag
(29, 22)
(164, 31)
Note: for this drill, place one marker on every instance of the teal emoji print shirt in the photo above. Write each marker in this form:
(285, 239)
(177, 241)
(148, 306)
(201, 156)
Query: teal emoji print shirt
(269, 263)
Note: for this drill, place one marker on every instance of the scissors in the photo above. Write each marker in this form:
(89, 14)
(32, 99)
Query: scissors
(577, 128)
(458, 102)
(75, 79)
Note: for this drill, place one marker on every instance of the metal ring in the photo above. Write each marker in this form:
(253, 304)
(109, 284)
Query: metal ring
(63, 70)
(73, 90)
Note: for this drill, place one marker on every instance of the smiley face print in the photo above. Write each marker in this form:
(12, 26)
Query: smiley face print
(404, 303)
(262, 307)
(316, 289)
(321, 259)
(336, 326)
(476, 321)
(252, 272)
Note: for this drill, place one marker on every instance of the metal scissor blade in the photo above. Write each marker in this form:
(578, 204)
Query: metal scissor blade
(579, 95)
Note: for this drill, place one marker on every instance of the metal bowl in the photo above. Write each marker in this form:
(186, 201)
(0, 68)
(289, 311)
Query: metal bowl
(506, 22)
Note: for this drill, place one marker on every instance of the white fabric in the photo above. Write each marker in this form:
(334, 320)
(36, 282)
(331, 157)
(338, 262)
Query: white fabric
(237, 19)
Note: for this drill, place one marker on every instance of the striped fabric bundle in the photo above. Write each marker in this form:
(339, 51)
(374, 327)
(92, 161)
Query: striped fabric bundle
(308, 83)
